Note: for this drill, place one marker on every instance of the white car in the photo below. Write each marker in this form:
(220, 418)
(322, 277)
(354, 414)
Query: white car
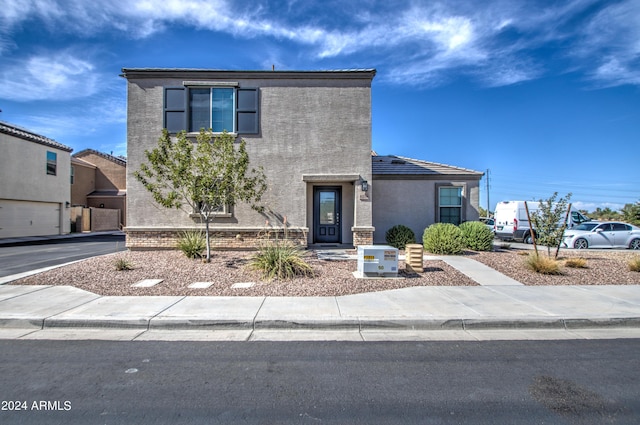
(602, 234)
(490, 223)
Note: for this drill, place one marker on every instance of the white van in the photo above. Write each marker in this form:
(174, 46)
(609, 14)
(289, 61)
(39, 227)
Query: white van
(511, 222)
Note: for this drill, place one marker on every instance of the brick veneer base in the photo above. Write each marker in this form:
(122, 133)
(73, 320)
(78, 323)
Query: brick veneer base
(220, 239)
(362, 237)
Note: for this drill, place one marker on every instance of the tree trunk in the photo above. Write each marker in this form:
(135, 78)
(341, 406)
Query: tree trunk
(206, 224)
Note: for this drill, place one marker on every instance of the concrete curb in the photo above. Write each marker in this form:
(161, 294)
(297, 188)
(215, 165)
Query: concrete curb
(355, 324)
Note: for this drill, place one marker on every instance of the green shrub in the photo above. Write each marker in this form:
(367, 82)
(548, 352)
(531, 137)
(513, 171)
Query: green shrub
(123, 264)
(443, 238)
(543, 265)
(280, 260)
(476, 236)
(399, 236)
(192, 243)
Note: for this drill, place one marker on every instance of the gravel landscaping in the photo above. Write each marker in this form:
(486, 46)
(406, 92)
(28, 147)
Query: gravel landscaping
(331, 277)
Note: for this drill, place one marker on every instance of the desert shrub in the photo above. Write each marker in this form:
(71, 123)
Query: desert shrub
(543, 265)
(192, 243)
(476, 236)
(576, 263)
(399, 236)
(634, 264)
(280, 260)
(443, 238)
(123, 264)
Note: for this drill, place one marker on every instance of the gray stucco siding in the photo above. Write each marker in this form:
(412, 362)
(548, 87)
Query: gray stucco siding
(413, 202)
(307, 126)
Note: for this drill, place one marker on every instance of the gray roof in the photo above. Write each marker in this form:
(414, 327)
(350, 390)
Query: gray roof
(393, 165)
(25, 134)
(117, 159)
(222, 73)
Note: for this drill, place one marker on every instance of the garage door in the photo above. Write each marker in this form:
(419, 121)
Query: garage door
(25, 218)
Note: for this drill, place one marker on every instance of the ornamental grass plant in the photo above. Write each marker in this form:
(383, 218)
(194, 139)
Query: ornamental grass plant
(543, 265)
(281, 260)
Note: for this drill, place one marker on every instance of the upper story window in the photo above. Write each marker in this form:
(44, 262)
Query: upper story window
(212, 108)
(216, 106)
(73, 172)
(52, 163)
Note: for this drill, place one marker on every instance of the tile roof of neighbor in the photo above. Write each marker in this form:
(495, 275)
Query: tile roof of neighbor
(117, 159)
(82, 162)
(400, 165)
(25, 134)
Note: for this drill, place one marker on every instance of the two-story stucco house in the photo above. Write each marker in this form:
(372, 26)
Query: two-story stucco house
(309, 130)
(35, 193)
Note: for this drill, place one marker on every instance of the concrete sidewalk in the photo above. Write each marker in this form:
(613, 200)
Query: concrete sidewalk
(463, 312)
(500, 308)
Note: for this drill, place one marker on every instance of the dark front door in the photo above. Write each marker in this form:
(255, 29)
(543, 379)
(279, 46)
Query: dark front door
(326, 214)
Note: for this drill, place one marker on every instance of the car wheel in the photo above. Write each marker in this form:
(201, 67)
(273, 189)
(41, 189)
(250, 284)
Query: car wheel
(581, 244)
(528, 239)
(634, 244)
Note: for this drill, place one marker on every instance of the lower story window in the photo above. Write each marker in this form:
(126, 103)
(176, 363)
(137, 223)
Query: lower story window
(450, 205)
(219, 211)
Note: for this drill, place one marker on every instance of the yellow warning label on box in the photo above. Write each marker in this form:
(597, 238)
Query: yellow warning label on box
(369, 258)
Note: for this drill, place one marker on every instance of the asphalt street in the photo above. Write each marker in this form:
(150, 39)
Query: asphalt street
(508, 382)
(32, 255)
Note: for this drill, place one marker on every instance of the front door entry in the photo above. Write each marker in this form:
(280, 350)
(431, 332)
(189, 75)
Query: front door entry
(326, 214)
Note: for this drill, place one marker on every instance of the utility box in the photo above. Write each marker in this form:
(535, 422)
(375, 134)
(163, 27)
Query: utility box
(413, 253)
(377, 261)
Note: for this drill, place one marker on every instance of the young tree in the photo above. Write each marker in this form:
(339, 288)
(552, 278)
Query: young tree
(631, 213)
(549, 221)
(204, 177)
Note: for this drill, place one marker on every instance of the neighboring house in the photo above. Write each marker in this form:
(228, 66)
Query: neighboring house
(309, 130)
(34, 189)
(99, 180)
(419, 193)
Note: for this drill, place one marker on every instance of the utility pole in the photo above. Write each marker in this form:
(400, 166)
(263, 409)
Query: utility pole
(488, 204)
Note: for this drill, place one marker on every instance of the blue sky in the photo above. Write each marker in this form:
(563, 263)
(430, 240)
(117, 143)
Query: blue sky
(544, 94)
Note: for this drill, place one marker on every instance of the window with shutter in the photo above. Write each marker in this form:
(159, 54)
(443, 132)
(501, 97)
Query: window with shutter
(218, 108)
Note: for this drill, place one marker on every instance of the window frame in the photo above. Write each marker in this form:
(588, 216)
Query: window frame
(52, 163)
(210, 115)
(227, 212)
(440, 205)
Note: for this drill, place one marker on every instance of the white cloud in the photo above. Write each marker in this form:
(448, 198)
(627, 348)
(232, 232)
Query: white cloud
(592, 206)
(494, 42)
(55, 75)
(612, 41)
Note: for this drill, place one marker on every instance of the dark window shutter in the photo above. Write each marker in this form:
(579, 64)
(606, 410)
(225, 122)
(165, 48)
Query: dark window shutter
(175, 109)
(247, 111)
